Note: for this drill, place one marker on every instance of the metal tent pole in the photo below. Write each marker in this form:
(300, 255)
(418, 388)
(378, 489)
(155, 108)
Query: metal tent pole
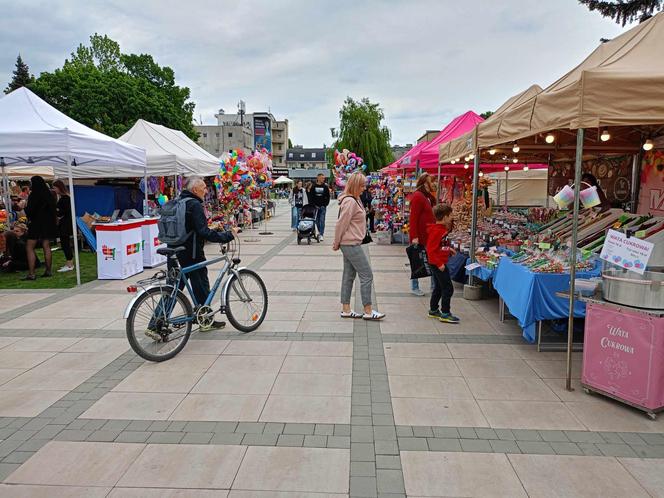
(572, 259)
(507, 176)
(438, 191)
(473, 226)
(73, 221)
(145, 186)
(8, 198)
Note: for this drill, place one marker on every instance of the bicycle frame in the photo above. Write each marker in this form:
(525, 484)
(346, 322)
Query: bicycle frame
(184, 281)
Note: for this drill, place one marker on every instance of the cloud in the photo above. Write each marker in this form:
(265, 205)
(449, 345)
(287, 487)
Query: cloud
(425, 61)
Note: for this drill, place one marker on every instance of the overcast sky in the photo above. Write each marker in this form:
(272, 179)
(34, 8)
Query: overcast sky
(424, 61)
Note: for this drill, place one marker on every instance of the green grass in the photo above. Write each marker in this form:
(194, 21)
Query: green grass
(58, 280)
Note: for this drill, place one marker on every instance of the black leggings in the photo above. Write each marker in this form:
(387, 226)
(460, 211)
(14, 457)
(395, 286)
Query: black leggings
(443, 289)
(67, 247)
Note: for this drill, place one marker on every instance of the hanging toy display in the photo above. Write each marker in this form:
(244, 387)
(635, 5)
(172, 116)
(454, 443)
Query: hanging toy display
(345, 164)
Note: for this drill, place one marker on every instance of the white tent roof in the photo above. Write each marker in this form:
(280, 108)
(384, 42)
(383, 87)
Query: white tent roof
(282, 180)
(32, 132)
(170, 151)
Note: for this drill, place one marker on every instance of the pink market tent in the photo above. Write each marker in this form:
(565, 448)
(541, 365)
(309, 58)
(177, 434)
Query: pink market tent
(428, 155)
(409, 160)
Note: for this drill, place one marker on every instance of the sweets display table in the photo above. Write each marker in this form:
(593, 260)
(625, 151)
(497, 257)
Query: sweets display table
(151, 243)
(622, 354)
(119, 249)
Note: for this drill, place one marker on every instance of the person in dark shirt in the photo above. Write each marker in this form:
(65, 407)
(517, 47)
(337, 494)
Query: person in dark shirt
(319, 196)
(63, 209)
(367, 200)
(196, 223)
(42, 224)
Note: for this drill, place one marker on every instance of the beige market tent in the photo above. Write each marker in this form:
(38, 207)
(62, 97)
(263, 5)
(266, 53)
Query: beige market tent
(467, 143)
(620, 85)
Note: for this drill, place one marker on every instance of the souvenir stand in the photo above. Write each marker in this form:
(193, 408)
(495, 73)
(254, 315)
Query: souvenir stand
(34, 133)
(607, 104)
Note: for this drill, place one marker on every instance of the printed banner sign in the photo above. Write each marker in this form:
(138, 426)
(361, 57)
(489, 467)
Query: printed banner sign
(630, 253)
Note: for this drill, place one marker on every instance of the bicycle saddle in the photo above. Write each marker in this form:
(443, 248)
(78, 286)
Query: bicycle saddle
(170, 251)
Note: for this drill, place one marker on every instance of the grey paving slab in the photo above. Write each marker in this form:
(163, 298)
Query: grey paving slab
(296, 440)
(476, 445)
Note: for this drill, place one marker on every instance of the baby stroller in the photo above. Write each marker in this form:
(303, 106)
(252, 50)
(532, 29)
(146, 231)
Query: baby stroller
(306, 228)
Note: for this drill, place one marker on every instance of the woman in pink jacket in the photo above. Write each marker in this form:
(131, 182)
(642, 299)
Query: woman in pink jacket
(348, 235)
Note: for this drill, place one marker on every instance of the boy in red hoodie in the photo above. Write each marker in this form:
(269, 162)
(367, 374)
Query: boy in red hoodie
(438, 253)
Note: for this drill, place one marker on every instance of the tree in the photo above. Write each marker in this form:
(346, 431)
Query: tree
(625, 11)
(486, 115)
(21, 76)
(361, 131)
(290, 144)
(107, 90)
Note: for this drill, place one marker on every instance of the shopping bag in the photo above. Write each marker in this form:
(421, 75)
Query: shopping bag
(419, 264)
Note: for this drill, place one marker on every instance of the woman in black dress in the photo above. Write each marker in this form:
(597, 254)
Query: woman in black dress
(63, 209)
(42, 224)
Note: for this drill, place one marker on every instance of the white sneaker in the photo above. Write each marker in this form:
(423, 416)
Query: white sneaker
(66, 269)
(374, 315)
(320, 238)
(418, 292)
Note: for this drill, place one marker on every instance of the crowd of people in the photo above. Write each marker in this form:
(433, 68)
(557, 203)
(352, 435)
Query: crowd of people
(430, 224)
(47, 215)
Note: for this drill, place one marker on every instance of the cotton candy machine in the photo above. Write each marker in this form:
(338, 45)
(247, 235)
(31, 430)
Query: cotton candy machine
(621, 286)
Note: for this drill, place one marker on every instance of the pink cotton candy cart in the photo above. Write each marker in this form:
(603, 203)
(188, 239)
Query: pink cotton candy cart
(623, 355)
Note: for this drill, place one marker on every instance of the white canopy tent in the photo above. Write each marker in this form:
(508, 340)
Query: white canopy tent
(34, 133)
(283, 180)
(170, 152)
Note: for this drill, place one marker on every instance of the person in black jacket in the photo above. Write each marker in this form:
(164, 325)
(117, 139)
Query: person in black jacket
(319, 196)
(42, 225)
(367, 200)
(16, 257)
(63, 209)
(196, 223)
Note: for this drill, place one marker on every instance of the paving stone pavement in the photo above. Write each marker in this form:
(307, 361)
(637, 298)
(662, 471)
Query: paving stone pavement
(308, 404)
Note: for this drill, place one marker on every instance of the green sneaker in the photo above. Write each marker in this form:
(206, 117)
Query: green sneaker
(448, 318)
(435, 314)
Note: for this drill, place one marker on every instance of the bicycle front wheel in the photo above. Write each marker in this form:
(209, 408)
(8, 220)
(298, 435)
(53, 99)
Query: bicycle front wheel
(159, 323)
(246, 300)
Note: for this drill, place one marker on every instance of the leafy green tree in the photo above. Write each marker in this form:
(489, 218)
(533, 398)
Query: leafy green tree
(625, 11)
(107, 90)
(21, 76)
(290, 144)
(486, 115)
(361, 131)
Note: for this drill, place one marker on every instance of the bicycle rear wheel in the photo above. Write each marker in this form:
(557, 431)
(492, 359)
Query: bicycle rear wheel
(150, 328)
(246, 301)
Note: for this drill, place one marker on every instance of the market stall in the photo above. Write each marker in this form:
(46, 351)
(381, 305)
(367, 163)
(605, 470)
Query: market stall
(609, 105)
(34, 133)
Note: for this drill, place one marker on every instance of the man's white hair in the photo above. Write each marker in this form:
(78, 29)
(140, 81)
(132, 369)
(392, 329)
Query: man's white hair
(192, 181)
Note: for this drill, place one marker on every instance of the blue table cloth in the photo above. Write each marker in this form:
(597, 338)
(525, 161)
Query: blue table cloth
(483, 273)
(531, 297)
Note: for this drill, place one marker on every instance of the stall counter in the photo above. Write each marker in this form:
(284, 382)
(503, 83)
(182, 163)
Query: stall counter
(622, 354)
(119, 249)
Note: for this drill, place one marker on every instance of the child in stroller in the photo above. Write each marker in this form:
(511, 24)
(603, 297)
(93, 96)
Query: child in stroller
(306, 228)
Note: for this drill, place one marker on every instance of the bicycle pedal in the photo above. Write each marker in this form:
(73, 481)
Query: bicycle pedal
(153, 335)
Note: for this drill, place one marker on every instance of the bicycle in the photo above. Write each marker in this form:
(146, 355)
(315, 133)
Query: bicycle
(159, 319)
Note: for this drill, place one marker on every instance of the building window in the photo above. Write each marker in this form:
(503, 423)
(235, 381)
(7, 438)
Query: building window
(204, 135)
(301, 165)
(313, 155)
(301, 156)
(216, 134)
(290, 155)
(230, 134)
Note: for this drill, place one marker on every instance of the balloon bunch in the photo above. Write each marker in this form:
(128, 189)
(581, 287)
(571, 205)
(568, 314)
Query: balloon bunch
(234, 175)
(260, 164)
(345, 164)
(152, 185)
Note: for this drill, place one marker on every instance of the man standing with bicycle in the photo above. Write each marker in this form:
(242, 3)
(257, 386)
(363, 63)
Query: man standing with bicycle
(196, 233)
